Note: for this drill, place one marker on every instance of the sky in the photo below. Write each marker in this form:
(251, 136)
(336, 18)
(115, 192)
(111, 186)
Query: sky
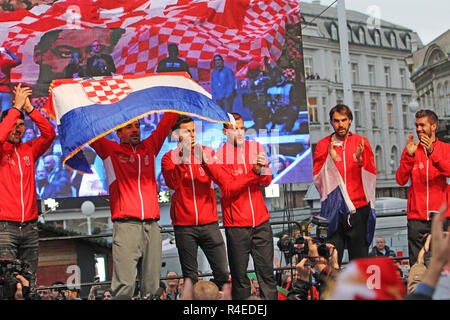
(429, 18)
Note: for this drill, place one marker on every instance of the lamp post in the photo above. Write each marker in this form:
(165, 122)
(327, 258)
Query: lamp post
(88, 209)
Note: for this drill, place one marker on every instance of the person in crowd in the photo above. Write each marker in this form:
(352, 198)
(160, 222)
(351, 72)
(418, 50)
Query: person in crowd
(223, 84)
(44, 188)
(381, 249)
(343, 157)
(8, 60)
(99, 63)
(240, 169)
(44, 294)
(58, 175)
(19, 237)
(172, 292)
(29, 135)
(130, 167)
(193, 207)
(74, 68)
(173, 63)
(434, 283)
(426, 164)
(320, 268)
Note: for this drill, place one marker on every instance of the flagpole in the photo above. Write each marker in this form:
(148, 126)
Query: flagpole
(345, 55)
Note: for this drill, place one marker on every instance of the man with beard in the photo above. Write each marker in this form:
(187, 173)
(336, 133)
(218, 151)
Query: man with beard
(426, 163)
(133, 198)
(19, 238)
(350, 153)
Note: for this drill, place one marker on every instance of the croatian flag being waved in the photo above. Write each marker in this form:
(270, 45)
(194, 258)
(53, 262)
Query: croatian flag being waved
(87, 109)
(335, 203)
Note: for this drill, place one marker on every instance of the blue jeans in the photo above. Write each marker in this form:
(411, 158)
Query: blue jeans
(21, 242)
(5, 101)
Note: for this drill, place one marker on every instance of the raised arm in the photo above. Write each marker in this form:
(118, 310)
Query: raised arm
(159, 135)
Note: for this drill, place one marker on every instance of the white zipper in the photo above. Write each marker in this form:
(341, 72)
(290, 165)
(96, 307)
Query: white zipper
(139, 181)
(345, 166)
(21, 184)
(193, 190)
(248, 189)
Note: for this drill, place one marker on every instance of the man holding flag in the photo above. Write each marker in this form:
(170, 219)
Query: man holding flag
(130, 168)
(345, 176)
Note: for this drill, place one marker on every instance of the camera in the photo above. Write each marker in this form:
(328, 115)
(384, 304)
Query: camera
(9, 269)
(298, 245)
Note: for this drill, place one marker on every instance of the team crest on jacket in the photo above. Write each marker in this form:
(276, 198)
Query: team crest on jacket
(106, 91)
(27, 161)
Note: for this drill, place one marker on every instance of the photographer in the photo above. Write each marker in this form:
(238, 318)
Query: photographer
(323, 269)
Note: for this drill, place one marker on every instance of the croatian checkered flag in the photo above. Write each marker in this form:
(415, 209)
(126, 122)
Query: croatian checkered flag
(88, 109)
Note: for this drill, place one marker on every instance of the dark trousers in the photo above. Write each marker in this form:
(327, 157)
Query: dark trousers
(353, 234)
(417, 231)
(257, 242)
(209, 238)
(22, 243)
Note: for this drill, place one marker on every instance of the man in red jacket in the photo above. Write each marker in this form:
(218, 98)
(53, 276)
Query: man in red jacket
(193, 209)
(133, 199)
(240, 168)
(18, 211)
(348, 158)
(426, 164)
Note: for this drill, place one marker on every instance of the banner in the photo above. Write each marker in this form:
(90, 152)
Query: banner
(246, 54)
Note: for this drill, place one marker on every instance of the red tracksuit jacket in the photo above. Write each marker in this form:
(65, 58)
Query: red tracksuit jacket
(429, 176)
(131, 172)
(194, 200)
(242, 201)
(17, 182)
(347, 164)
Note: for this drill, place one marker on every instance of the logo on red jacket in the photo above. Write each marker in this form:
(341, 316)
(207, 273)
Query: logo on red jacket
(106, 91)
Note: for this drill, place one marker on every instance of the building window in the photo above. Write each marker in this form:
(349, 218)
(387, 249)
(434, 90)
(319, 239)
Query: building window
(379, 159)
(350, 36)
(337, 70)
(357, 109)
(405, 113)
(403, 78)
(389, 110)
(387, 76)
(408, 42)
(374, 114)
(308, 63)
(355, 73)
(334, 32)
(447, 91)
(371, 68)
(392, 40)
(394, 160)
(313, 110)
(361, 36)
(377, 38)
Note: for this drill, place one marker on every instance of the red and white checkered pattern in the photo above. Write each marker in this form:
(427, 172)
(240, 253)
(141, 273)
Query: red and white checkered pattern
(241, 32)
(106, 91)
